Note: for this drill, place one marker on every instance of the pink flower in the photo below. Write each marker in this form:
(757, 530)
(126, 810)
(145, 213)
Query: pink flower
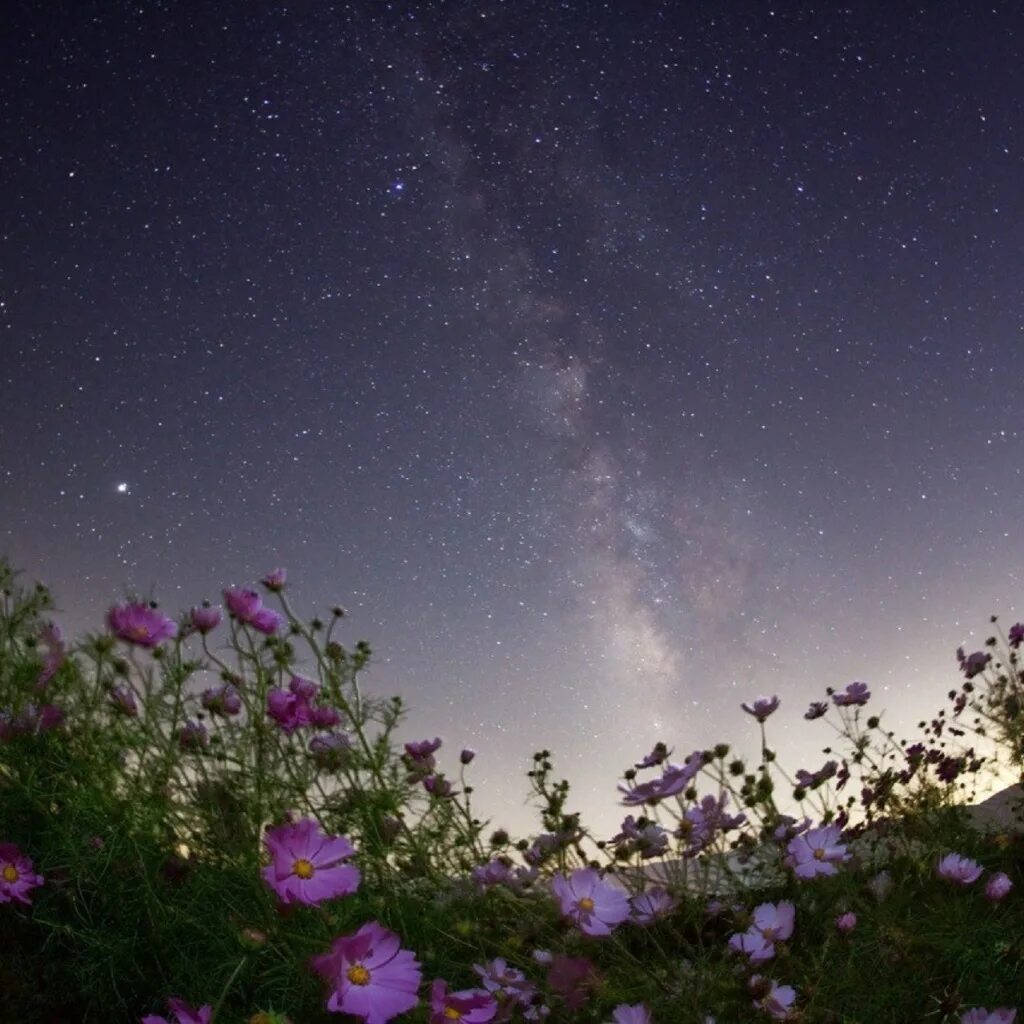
(675, 778)
(998, 887)
(497, 976)
(855, 693)
(16, 875)
(290, 710)
(593, 905)
(778, 1001)
(472, 1005)
(224, 700)
(193, 736)
(649, 906)
(635, 1014)
(846, 922)
(961, 870)
(139, 624)
(122, 699)
(183, 1014)
(571, 978)
(370, 976)
(307, 865)
(247, 607)
(816, 852)
(275, 581)
(205, 619)
(772, 922)
(762, 707)
(1004, 1015)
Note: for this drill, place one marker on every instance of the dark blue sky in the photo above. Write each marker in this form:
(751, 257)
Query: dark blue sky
(612, 364)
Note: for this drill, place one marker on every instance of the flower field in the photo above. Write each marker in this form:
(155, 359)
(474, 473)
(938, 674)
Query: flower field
(204, 819)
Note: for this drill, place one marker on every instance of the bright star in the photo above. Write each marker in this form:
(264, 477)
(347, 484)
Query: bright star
(122, 488)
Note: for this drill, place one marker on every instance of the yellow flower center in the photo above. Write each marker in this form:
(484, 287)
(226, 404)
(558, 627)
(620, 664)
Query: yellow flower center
(768, 933)
(451, 1013)
(358, 975)
(10, 873)
(819, 854)
(303, 868)
(586, 904)
(139, 632)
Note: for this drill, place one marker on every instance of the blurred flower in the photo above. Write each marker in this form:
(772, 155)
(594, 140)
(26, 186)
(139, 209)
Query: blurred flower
(648, 906)
(193, 736)
(816, 852)
(370, 976)
(325, 717)
(329, 750)
(772, 922)
(762, 707)
(139, 624)
(980, 1015)
(16, 875)
(855, 693)
(307, 865)
(974, 664)
(205, 619)
(1016, 635)
(593, 905)
(816, 710)
(998, 887)
(473, 1005)
(50, 635)
(122, 699)
(777, 1002)
(467, 755)
(675, 778)
(961, 870)
(291, 708)
(881, 885)
(635, 1014)
(846, 922)
(275, 581)
(224, 700)
(437, 785)
(656, 756)
(571, 978)
(183, 1014)
(247, 607)
(497, 976)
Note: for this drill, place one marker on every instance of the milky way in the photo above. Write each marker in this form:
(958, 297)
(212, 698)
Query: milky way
(612, 364)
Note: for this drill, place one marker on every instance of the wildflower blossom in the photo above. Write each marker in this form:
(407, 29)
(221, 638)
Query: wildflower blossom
(467, 755)
(330, 750)
(675, 778)
(370, 976)
(762, 707)
(961, 870)
(1003, 1015)
(205, 619)
(571, 978)
(973, 664)
(816, 852)
(275, 581)
(998, 887)
(845, 923)
(193, 736)
(472, 1005)
(183, 1014)
(1016, 635)
(648, 906)
(497, 976)
(122, 699)
(308, 865)
(247, 607)
(291, 708)
(593, 905)
(224, 700)
(139, 624)
(854, 694)
(771, 923)
(16, 875)
(816, 710)
(656, 756)
(635, 1014)
(778, 1000)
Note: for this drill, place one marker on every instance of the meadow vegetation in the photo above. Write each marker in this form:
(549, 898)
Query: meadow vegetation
(205, 818)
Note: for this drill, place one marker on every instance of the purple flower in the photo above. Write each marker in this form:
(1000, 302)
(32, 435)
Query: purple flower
(292, 710)
(247, 607)
(141, 625)
(1004, 1015)
(423, 750)
(816, 710)
(494, 872)
(193, 736)
(961, 870)
(648, 906)
(308, 865)
(846, 922)
(370, 976)
(1016, 636)
(974, 664)
(472, 1005)
(183, 1014)
(675, 778)
(16, 875)
(275, 581)
(772, 922)
(593, 905)
(497, 976)
(656, 756)
(855, 693)
(778, 1001)
(225, 700)
(329, 750)
(635, 1014)
(816, 852)
(325, 717)
(437, 785)
(205, 619)
(122, 699)
(762, 707)
(467, 755)
(998, 887)
(56, 654)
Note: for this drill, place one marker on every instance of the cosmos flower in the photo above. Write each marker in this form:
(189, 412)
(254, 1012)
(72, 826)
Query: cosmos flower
(275, 581)
(307, 866)
(572, 977)
(193, 736)
(183, 1014)
(472, 1005)
(247, 607)
(122, 699)
(635, 1014)
(141, 625)
(816, 710)
(56, 654)
(998, 887)
(675, 778)
(224, 700)
(593, 905)
(370, 976)
(656, 756)
(846, 922)
(816, 852)
(973, 664)
(771, 923)
(1016, 635)
(205, 619)
(497, 976)
(648, 907)
(777, 1002)
(16, 875)
(329, 750)
(291, 708)
(762, 707)
(854, 694)
(979, 1015)
(467, 755)
(961, 870)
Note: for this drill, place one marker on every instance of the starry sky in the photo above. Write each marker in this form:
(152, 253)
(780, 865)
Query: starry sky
(612, 363)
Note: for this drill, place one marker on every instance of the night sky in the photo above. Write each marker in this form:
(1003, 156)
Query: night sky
(611, 363)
